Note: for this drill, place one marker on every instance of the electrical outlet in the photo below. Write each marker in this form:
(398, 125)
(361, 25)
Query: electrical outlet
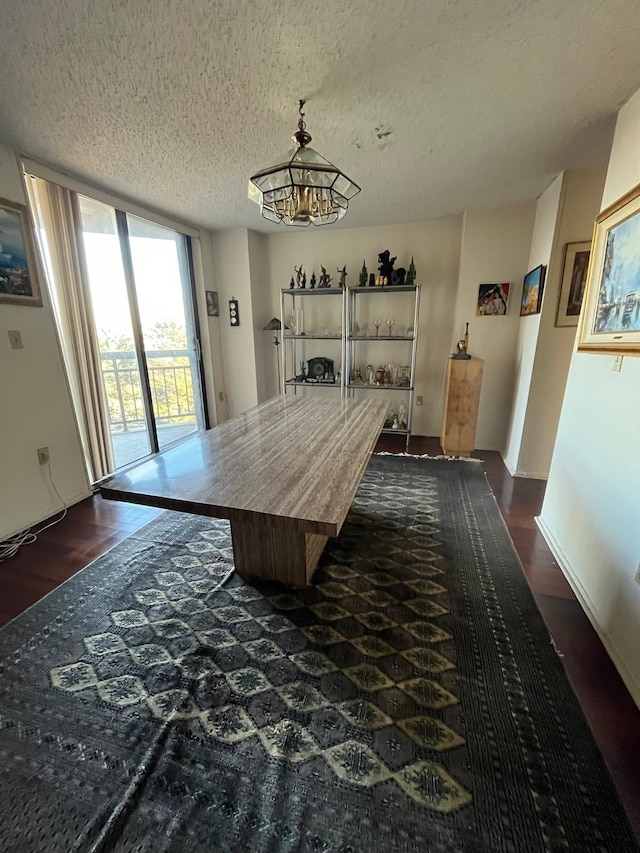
(221, 396)
(43, 455)
(419, 400)
(617, 364)
(15, 338)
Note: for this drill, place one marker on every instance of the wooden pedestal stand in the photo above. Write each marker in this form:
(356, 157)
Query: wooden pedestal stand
(461, 401)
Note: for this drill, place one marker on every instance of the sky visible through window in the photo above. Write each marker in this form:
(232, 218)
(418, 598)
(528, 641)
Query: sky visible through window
(157, 276)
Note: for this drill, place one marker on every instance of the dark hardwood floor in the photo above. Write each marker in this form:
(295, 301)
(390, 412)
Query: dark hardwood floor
(95, 525)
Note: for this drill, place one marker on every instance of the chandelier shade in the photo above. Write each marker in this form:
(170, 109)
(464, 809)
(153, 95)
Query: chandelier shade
(303, 188)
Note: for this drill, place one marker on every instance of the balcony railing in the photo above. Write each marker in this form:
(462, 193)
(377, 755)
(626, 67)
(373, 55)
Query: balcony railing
(171, 388)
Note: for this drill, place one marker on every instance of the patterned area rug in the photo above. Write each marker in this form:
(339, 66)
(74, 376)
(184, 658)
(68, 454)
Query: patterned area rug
(410, 700)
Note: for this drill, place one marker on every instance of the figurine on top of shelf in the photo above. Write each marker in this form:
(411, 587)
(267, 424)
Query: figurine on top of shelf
(298, 271)
(362, 279)
(312, 283)
(325, 279)
(372, 279)
(343, 276)
(304, 281)
(292, 284)
(411, 274)
(386, 262)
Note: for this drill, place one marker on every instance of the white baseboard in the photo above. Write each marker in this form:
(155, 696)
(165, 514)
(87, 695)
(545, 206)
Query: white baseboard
(632, 685)
(80, 496)
(510, 468)
(532, 475)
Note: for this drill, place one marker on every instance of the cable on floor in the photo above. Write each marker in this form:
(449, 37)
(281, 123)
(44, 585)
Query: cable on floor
(10, 546)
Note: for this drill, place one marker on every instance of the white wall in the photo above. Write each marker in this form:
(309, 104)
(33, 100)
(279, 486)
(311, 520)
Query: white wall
(212, 360)
(233, 276)
(435, 247)
(581, 195)
(261, 301)
(591, 512)
(35, 409)
(544, 236)
(495, 248)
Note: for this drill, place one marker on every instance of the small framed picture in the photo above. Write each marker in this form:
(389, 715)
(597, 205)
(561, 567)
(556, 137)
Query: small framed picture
(213, 309)
(574, 279)
(18, 271)
(492, 299)
(532, 291)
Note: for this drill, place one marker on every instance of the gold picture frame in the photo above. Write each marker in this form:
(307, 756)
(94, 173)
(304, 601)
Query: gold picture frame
(19, 283)
(610, 318)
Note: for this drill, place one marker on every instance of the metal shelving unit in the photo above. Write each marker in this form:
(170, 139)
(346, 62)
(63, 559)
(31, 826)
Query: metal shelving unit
(353, 339)
(296, 345)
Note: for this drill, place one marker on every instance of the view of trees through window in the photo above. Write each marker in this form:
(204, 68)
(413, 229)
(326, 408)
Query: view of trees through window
(169, 366)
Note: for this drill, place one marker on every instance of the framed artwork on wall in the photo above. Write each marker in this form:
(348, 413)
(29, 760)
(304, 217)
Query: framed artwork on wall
(213, 307)
(18, 271)
(574, 279)
(610, 319)
(492, 299)
(532, 291)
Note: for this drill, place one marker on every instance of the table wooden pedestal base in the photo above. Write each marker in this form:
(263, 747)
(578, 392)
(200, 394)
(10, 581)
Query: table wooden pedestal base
(284, 554)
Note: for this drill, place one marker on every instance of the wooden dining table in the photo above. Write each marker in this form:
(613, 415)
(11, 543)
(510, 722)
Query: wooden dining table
(283, 473)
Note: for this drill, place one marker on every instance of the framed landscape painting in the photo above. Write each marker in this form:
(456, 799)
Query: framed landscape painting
(532, 292)
(610, 320)
(18, 271)
(574, 279)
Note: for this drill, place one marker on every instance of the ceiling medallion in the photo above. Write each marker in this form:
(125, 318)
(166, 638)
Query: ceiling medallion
(303, 187)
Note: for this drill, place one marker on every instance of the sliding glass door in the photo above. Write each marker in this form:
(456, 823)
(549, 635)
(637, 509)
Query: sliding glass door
(140, 288)
(163, 292)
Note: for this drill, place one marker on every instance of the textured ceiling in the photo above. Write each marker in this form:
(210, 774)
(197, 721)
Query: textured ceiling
(430, 105)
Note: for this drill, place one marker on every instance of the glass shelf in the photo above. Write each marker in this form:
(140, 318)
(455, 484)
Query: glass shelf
(393, 431)
(380, 338)
(381, 387)
(316, 291)
(298, 384)
(390, 288)
(312, 337)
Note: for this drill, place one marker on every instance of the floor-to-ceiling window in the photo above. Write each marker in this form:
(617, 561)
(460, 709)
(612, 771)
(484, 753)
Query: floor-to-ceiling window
(123, 294)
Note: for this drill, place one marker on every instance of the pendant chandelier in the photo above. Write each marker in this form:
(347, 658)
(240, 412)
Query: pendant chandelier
(303, 187)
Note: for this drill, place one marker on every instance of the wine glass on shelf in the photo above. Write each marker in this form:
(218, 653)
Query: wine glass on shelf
(377, 324)
(390, 325)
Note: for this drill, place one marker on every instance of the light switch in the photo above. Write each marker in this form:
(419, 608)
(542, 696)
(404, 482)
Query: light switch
(15, 338)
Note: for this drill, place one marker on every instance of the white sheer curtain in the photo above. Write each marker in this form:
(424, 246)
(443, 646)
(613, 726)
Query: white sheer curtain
(57, 221)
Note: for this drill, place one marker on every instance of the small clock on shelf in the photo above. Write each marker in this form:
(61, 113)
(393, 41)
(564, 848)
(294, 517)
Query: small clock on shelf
(320, 369)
